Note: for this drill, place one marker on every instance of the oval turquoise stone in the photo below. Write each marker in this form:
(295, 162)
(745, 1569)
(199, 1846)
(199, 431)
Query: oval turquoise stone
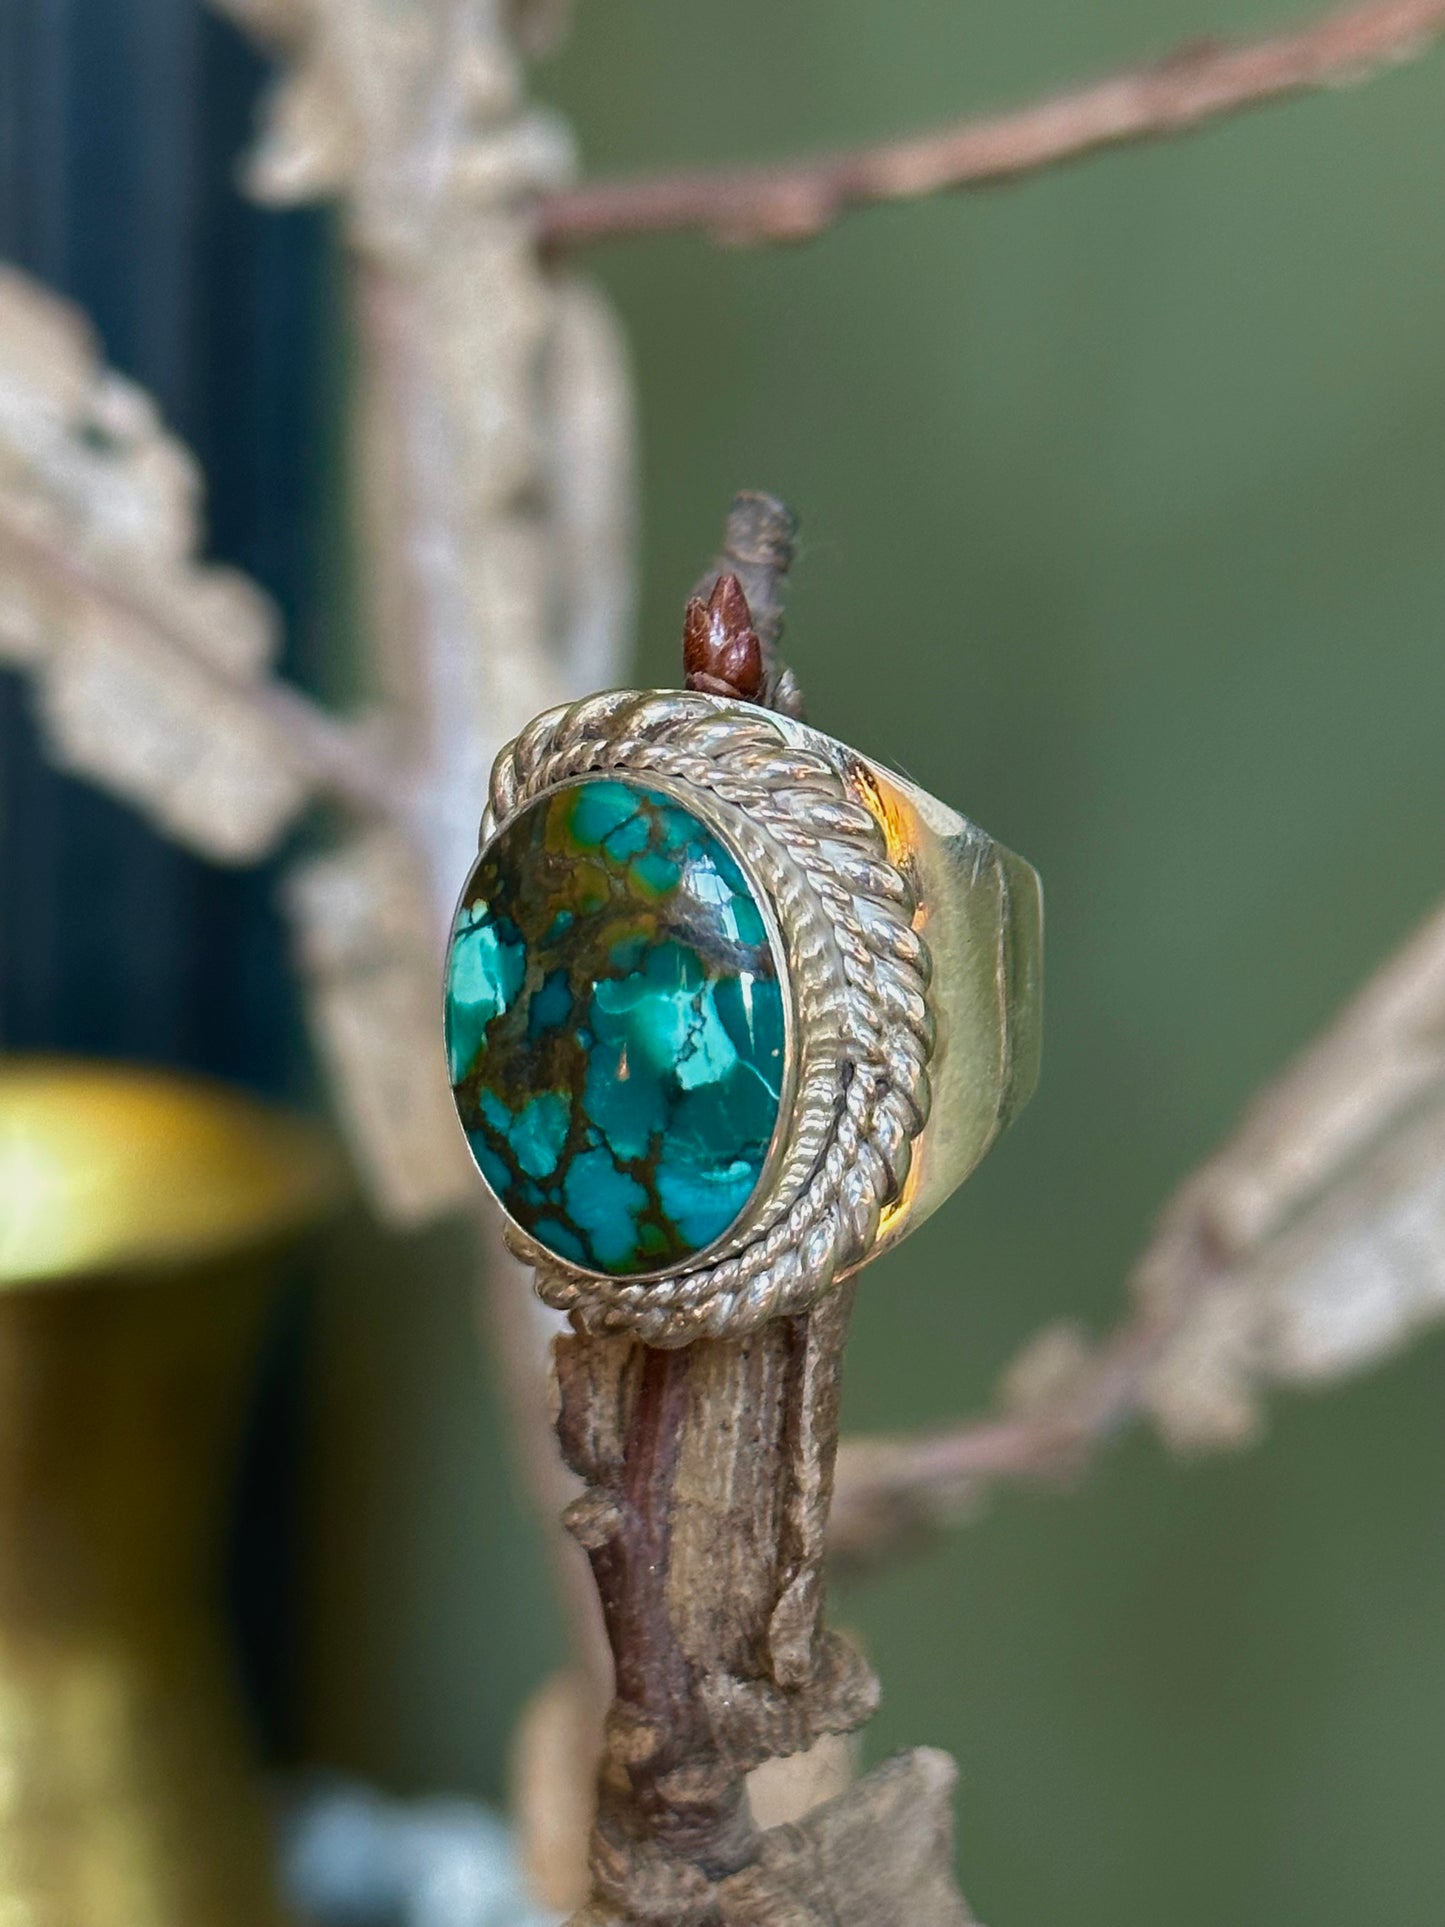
(614, 1020)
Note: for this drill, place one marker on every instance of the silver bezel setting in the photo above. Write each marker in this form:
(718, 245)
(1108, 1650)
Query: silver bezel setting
(858, 1034)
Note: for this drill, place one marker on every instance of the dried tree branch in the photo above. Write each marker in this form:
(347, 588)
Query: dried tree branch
(153, 667)
(689, 1461)
(1309, 1246)
(493, 494)
(495, 488)
(896, 1488)
(708, 1476)
(329, 757)
(1199, 83)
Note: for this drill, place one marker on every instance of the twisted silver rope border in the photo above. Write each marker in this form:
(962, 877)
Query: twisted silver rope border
(860, 973)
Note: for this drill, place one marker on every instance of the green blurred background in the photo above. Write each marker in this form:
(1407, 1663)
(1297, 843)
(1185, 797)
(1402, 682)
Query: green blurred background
(1123, 502)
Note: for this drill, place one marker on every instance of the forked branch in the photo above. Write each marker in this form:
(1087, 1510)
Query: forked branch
(1200, 82)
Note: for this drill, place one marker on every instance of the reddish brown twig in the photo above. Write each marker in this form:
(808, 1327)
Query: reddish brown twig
(895, 1487)
(1202, 82)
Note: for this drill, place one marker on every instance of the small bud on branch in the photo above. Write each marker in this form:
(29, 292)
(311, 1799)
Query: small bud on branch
(721, 653)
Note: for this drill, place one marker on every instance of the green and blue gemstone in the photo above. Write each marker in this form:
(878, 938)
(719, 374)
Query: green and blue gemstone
(615, 1028)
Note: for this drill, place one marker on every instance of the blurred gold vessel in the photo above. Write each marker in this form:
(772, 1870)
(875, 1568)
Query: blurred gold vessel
(141, 1220)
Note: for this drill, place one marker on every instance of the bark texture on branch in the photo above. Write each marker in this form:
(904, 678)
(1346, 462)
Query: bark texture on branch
(708, 1473)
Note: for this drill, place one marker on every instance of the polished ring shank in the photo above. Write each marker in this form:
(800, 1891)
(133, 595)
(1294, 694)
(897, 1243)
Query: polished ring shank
(979, 909)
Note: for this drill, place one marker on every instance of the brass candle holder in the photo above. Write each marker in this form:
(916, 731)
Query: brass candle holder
(142, 1217)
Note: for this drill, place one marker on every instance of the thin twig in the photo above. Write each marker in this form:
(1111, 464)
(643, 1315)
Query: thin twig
(897, 1486)
(1200, 82)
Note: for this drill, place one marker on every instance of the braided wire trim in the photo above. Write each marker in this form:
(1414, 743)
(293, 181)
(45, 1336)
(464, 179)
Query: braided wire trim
(860, 973)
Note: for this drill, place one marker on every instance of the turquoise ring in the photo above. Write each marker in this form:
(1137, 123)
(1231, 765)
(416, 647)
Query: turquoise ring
(728, 1008)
